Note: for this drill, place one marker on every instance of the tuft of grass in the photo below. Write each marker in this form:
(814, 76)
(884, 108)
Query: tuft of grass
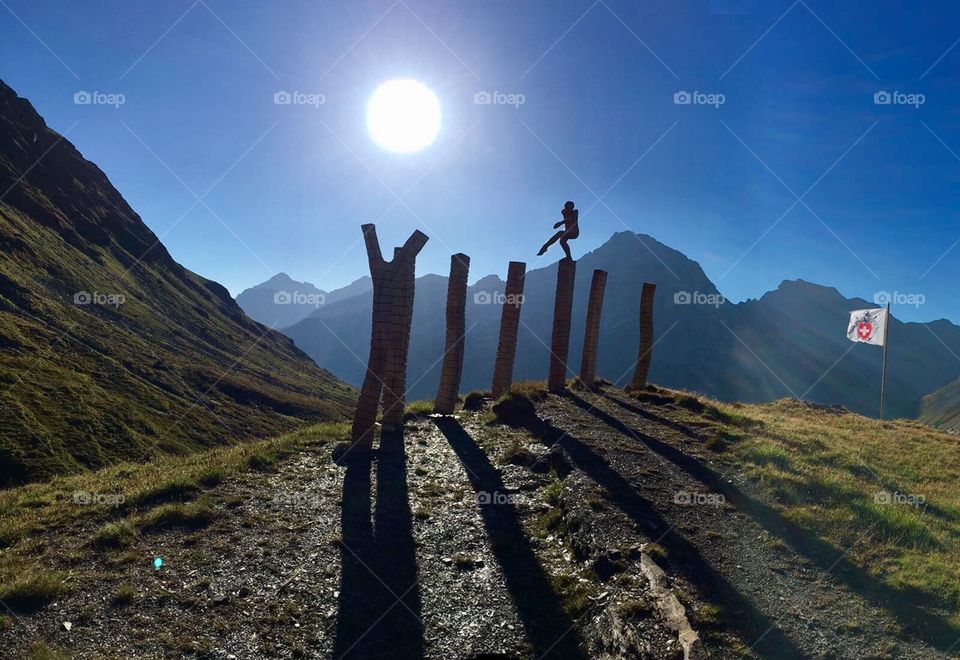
(657, 553)
(596, 502)
(124, 595)
(418, 409)
(475, 399)
(115, 535)
(534, 390)
(553, 492)
(516, 454)
(212, 476)
(176, 489)
(192, 515)
(262, 463)
(769, 454)
(31, 591)
(42, 651)
(515, 408)
(574, 594)
(709, 615)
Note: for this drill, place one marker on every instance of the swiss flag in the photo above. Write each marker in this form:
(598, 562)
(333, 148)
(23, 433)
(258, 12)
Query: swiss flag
(868, 326)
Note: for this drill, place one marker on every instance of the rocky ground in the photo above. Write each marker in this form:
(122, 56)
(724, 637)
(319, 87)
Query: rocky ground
(600, 527)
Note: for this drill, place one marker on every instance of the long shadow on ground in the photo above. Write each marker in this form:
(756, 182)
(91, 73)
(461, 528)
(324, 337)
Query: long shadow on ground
(750, 623)
(907, 605)
(548, 628)
(693, 435)
(379, 605)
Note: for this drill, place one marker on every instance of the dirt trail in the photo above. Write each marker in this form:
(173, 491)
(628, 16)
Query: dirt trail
(465, 540)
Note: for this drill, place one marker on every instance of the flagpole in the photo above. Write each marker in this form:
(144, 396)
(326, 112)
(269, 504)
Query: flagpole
(883, 373)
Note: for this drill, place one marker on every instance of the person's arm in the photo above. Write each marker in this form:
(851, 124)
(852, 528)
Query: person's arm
(558, 225)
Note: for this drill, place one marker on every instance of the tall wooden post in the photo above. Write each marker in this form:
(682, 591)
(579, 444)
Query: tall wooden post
(395, 381)
(646, 337)
(388, 279)
(509, 324)
(560, 337)
(591, 333)
(456, 329)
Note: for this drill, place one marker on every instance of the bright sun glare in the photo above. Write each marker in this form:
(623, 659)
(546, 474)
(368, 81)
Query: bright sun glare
(403, 116)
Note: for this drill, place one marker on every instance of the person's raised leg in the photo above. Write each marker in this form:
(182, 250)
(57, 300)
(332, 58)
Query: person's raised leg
(553, 239)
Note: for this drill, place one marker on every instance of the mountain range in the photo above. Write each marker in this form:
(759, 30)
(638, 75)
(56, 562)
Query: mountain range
(109, 349)
(790, 342)
(281, 301)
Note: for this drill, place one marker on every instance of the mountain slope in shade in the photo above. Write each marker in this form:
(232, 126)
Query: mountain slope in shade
(796, 336)
(110, 349)
(942, 407)
(281, 301)
(790, 342)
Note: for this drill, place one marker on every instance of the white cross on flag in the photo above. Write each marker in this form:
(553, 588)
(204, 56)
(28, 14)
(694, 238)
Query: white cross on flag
(868, 326)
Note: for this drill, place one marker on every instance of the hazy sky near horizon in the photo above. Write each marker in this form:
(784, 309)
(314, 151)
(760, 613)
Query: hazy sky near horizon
(240, 188)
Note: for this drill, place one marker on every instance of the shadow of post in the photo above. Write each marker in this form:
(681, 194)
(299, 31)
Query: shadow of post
(379, 603)
(549, 629)
(908, 606)
(747, 620)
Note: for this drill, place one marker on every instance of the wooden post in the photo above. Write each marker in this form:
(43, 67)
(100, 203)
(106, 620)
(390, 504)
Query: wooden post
(509, 324)
(387, 278)
(560, 337)
(646, 337)
(591, 333)
(456, 329)
(395, 381)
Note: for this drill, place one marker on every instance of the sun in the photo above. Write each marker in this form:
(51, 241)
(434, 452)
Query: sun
(403, 116)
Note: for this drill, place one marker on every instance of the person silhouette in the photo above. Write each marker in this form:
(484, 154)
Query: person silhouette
(571, 229)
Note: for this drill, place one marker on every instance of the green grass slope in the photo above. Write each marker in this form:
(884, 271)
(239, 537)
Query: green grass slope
(171, 366)
(883, 493)
(941, 408)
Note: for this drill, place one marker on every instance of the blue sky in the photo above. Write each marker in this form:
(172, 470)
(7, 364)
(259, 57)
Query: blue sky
(285, 187)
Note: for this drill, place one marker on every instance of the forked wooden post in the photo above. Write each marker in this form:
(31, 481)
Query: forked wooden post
(395, 381)
(591, 333)
(509, 324)
(388, 295)
(560, 337)
(456, 329)
(646, 337)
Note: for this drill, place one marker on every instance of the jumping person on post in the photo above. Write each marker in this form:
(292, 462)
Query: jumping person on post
(571, 229)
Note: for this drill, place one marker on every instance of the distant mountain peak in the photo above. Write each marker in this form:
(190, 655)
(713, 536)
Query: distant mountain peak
(282, 282)
(491, 282)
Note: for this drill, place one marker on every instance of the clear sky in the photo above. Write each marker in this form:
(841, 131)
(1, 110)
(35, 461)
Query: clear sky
(286, 187)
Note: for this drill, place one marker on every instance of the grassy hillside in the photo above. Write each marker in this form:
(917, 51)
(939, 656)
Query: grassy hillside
(109, 349)
(942, 407)
(884, 494)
